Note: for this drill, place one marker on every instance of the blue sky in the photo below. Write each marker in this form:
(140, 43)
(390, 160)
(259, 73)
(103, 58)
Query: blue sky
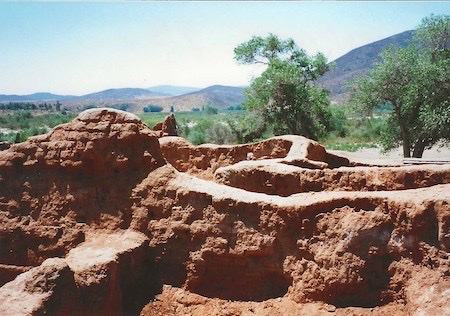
(83, 47)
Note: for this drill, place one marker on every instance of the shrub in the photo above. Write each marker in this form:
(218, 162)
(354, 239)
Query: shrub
(197, 134)
(339, 121)
(121, 106)
(211, 110)
(197, 137)
(153, 108)
(88, 106)
(248, 128)
(219, 133)
(235, 108)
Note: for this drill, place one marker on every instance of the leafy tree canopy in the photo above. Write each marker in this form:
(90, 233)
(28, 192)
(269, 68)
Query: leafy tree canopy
(415, 81)
(285, 95)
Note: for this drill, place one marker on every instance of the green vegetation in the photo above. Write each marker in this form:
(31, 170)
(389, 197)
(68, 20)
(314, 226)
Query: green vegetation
(153, 108)
(211, 110)
(199, 127)
(120, 106)
(415, 82)
(237, 107)
(152, 118)
(249, 128)
(29, 106)
(285, 95)
(235, 127)
(350, 132)
(20, 125)
(350, 146)
(225, 127)
(88, 106)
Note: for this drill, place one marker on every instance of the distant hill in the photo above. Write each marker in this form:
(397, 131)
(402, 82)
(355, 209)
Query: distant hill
(45, 96)
(221, 96)
(358, 62)
(12, 98)
(136, 99)
(217, 96)
(35, 97)
(120, 94)
(172, 90)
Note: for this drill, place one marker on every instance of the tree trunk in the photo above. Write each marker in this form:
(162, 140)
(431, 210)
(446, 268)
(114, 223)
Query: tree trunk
(403, 131)
(406, 142)
(406, 149)
(418, 149)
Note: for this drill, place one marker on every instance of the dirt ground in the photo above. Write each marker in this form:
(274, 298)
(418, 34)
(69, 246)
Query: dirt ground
(441, 151)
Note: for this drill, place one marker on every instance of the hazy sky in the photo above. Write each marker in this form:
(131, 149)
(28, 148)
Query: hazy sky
(82, 47)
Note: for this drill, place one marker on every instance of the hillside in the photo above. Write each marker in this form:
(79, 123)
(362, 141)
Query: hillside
(165, 96)
(172, 90)
(39, 96)
(105, 95)
(357, 62)
(218, 96)
(120, 94)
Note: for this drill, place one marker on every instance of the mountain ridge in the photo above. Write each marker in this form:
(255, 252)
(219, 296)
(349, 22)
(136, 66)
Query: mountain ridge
(357, 62)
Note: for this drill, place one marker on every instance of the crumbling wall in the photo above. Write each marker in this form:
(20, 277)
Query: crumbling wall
(280, 226)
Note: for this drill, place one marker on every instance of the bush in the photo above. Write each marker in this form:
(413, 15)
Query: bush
(153, 108)
(351, 131)
(248, 128)
(7, 137)
(339, 121)
(369, 128)
(235, 108)
(197, 133)
(88, 106)
(121, 106)
(197, 137)
(219, 133)
(211, 110)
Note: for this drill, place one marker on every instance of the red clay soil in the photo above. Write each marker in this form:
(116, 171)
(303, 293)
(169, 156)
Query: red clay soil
(105, 216)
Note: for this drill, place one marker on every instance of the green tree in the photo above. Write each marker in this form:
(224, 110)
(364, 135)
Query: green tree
(153, 108)
(247, 128)
(211, 110)
(285, 94)
(415, 82)
(58, 106)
